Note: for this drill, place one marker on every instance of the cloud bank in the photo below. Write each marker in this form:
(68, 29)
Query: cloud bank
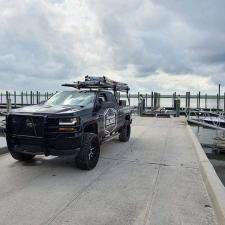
(163, 45)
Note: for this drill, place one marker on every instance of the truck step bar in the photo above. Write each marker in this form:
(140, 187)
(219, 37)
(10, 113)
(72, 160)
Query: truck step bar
(109, 138)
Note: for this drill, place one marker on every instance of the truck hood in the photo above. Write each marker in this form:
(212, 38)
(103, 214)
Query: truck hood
(47, 109)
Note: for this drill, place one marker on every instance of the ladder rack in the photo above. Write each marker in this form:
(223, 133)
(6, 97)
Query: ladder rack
(91, 82)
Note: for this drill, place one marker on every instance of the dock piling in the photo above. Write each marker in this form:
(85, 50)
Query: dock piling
(224, 101)
(152, 100)
(14, 99)
(31, 97)
(22, 98)
(206, 101)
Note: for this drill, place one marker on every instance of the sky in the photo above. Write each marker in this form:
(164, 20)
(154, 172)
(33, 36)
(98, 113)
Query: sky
(153, 45)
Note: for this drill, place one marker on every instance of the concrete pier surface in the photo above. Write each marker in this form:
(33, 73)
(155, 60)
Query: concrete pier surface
(152, 179)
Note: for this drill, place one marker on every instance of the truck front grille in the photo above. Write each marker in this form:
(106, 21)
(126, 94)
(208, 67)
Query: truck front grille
(26, 125)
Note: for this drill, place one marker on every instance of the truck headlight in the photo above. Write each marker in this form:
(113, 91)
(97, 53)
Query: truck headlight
(68, 121)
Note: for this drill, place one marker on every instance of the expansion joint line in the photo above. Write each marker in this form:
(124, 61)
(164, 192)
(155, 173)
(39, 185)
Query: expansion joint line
(152, 196)
(79, 194)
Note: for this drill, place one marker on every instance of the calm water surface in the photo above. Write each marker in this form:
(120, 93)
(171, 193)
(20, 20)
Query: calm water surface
(206, 136)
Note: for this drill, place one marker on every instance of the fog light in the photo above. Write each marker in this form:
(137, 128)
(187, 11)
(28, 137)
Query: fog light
(67, 129)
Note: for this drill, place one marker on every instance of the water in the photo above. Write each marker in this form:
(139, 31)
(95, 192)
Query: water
(167, 102)
(206, 136)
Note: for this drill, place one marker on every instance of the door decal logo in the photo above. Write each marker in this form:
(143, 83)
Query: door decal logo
(110, 121)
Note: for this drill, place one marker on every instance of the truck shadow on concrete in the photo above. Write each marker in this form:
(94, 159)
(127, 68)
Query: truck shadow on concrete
(112, 149)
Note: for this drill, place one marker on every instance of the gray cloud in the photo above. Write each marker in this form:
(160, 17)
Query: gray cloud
(31, 47)
(46, 42)
(173, 36)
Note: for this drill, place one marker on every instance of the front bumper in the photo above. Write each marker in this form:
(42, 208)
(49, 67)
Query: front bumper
(41, 135)
(60, 145)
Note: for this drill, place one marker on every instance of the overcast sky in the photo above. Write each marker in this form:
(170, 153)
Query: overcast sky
(154, 45)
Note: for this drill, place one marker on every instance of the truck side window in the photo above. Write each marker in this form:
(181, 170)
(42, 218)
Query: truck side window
(102, 98)
(111, 98)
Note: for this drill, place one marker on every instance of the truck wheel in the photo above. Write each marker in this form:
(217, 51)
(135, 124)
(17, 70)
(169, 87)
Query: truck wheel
(89, 152)
(125, 132)
(21, 156)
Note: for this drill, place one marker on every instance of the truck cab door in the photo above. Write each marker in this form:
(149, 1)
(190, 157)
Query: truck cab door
(108, 114)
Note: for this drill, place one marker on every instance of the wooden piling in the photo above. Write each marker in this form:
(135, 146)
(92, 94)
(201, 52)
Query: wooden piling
(187, 102)
(8, 101)
(186, 96)
(146, 100)
(217, 101)
(37, 97)
(26, 98)
(197, 101)
(205, 101)
(7, 96)
(219, 98)
(189, 99)
(129, 98)
(224, 101)
(173, 98)
(159, 101)
(14, 99)
(31, 97)
(21, 98)
(152, 100)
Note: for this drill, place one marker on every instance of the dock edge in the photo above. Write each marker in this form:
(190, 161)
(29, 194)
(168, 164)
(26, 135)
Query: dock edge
(214, 186)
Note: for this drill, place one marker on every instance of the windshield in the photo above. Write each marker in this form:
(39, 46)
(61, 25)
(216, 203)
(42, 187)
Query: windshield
(72, 98)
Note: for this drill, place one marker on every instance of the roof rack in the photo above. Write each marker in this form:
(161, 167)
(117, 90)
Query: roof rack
(91, 82)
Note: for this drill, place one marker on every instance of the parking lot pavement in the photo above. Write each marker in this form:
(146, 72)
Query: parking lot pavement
(152, 179)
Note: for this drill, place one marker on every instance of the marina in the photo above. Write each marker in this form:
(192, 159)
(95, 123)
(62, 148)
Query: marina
(206, 119)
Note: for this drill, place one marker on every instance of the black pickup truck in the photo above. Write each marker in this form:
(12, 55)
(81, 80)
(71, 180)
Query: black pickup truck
(71, 123)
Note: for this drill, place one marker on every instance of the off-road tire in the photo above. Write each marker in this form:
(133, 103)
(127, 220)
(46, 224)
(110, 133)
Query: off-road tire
(124, 135)
(21, 156)
(90, 144)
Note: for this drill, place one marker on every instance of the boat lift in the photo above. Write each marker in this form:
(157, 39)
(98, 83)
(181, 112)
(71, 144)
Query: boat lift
(206, 119)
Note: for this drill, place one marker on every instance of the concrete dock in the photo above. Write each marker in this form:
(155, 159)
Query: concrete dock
(154, 179)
